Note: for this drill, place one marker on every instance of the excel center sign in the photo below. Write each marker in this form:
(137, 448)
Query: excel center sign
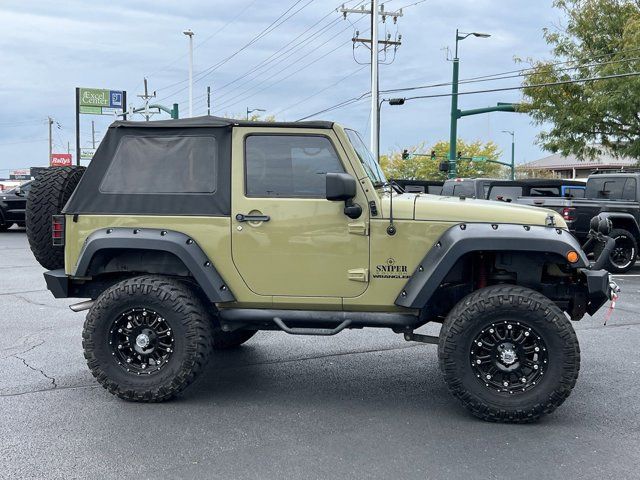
(100, 102)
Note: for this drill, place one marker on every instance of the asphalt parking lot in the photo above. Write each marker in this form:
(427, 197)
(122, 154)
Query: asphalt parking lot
(363, 404)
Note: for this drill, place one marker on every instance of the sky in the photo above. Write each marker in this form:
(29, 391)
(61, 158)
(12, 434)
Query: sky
(301, 64)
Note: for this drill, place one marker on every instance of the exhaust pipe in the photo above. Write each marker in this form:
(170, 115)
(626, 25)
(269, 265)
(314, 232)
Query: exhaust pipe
(79, 307)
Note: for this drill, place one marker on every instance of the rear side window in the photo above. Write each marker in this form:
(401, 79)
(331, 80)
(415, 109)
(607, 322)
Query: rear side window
(544, 192)
(574, 192)
(289, 165)
(163, 164)
(629, 191)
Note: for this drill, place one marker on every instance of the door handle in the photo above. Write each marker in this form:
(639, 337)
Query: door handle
(252, 218)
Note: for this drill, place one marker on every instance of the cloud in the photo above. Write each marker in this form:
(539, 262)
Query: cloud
(49, 48)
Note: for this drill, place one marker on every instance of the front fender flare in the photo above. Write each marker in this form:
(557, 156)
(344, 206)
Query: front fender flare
(176, 243)
(465, 238)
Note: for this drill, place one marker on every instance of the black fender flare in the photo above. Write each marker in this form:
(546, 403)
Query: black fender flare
(465, 238)
(179, 244)
(629, 222)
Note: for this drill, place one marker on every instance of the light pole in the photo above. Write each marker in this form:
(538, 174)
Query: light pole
(513, 152)
(453, 137)
(190, 34)
(251, 110)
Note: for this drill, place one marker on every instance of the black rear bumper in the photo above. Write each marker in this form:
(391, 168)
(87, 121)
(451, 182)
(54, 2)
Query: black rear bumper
(57, 283)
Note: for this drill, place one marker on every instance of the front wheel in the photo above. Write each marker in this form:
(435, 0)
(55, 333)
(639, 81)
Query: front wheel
(147, 338)
(508, 354)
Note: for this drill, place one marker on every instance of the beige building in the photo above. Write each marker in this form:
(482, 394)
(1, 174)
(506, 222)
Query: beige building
(571, 167)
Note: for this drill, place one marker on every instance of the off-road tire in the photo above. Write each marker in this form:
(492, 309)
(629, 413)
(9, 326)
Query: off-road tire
(180, 307)
(489, 306)
(227, 340)
(48, 196)
(616, 234)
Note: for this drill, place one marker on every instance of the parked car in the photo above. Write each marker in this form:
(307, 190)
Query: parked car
(467, 187)
(433, 187)
(189, 235)
(509, 190)
(12, 206)
(612, 195)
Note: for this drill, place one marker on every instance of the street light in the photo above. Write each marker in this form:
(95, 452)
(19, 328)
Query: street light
(190, 34)
(390, 101)
(453, 137)
(251, 110)
(513, 152)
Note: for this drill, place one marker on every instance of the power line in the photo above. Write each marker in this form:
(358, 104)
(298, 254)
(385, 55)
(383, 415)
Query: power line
(289, 66)
(266, 31)
(521, 87)
(230, 102)
(358, 70)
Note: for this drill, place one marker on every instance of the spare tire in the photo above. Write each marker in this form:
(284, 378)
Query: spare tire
(48, 196)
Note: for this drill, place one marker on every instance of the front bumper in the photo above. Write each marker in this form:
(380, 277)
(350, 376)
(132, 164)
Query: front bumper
(600, 288)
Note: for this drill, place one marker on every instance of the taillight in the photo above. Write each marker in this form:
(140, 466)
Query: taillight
(57, 230)
(569, 213)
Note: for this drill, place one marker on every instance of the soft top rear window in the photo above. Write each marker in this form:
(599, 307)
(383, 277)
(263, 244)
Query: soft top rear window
(168, 164)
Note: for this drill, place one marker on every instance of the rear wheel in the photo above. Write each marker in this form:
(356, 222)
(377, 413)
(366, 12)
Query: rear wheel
(623, 256)
(147, 338)
(49, 193)
(508, 354)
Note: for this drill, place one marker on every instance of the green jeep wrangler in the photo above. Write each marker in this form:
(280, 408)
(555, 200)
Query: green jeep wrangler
(191, 235)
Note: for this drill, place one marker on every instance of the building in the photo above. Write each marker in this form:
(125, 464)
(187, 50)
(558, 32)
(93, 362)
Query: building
(571, 167)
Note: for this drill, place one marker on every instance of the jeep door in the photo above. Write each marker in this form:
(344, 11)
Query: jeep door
(294, 243)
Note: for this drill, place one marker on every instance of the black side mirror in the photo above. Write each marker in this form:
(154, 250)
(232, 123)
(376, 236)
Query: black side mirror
(342, 187)
(18, 191)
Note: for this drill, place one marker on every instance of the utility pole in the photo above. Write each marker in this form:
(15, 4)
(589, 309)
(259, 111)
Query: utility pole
(146, 97)
(373, 43)
(50, 122)
(190, 34)
(208, 100)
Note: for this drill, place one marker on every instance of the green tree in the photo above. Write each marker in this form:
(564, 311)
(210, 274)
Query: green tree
(601, 37)
(426, 168)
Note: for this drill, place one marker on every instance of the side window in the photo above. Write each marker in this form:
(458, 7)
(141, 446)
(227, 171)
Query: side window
(163, 165)
(289, 165)
(629, 191)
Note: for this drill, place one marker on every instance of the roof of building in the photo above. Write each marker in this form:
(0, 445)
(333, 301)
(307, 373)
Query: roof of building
(210, 121)
(561, 162)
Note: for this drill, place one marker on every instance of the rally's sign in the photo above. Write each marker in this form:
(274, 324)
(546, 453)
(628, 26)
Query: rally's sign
(100, 102)
(60, 160)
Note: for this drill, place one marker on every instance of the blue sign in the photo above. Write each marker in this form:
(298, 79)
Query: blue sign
(115, 99)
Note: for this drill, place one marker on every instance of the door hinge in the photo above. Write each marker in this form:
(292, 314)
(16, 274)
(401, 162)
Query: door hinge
(359, 274)
(359, 228)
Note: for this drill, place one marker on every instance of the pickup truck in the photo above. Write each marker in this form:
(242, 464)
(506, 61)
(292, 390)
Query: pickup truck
(611, 195)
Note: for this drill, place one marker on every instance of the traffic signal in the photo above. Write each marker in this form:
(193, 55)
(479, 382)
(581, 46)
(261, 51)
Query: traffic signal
(433, 154)
(405, 154)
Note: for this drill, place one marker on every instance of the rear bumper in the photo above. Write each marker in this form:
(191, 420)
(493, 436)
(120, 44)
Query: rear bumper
(57, 283)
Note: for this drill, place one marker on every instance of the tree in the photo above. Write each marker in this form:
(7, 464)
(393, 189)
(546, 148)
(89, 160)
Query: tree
(426, 168)
(601, 37)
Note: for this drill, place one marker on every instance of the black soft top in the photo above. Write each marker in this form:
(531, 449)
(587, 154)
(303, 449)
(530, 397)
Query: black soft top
(208, 121)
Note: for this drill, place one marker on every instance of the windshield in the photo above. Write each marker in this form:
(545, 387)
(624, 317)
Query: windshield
(371, 167)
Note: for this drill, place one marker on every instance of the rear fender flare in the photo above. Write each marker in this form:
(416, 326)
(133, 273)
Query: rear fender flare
(179, 244)
(465, 238)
